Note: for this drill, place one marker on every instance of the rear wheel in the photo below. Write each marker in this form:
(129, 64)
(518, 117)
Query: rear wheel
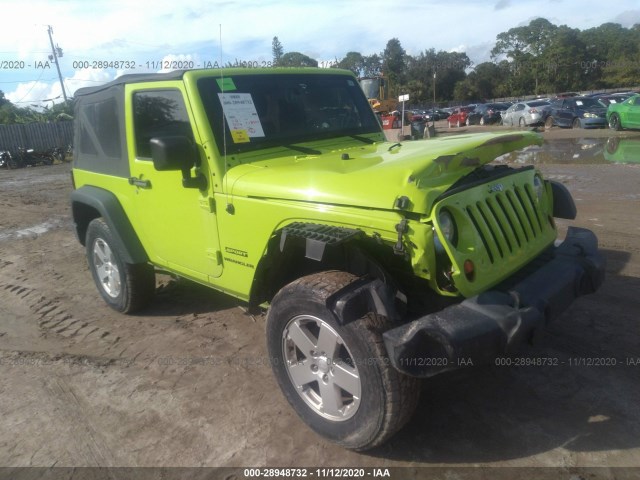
(548, 123)
(337, 377)
(576, 123)
(458, 124)
(521, 122)
(614, 122)
(125, 287)
(482, 121)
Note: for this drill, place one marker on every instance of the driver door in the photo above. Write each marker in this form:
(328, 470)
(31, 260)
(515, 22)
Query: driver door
(178, 224)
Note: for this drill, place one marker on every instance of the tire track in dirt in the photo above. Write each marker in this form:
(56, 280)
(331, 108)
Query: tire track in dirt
(52, 316)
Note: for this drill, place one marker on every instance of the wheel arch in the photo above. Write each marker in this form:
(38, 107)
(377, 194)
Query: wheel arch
(297, 250)
(89, 202)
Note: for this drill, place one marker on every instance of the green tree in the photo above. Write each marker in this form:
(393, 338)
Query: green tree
(353, 61)
(420, 70)
(612, 55)
(483, 83)
(450, 68)
(524, 47)
(394, 65)
(277, 51)
(297, 59)
(8, 111)
(562, 65)
(372, 65)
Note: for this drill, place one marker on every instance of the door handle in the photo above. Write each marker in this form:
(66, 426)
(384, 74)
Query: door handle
(138, 182)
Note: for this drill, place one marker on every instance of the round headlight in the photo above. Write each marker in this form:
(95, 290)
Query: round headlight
(447, 226)
(538, 186)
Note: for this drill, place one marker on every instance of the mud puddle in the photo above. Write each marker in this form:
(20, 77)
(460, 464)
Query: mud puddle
(584, 150)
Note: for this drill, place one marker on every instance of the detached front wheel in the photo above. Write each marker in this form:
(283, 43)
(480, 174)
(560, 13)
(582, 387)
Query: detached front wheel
(337, 377)
(124, 286)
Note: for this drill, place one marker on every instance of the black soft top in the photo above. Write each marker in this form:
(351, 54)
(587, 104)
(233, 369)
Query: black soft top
(131, 78)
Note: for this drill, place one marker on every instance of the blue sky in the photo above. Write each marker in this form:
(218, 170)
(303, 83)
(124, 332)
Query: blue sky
(146, 33)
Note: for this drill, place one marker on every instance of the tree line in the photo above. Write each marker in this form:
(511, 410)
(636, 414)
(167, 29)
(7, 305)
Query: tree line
(536, 59)
(12, 114)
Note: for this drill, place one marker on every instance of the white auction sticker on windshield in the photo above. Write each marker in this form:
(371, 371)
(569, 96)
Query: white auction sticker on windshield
(241, 115)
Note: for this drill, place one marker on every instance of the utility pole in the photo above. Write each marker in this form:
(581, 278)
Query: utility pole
(434, 99)
(55, 53)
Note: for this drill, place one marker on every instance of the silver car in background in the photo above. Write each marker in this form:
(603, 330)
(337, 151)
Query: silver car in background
(523, 114)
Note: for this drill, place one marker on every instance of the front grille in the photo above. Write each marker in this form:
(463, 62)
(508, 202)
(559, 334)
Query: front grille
(507, 221)
(501, 226)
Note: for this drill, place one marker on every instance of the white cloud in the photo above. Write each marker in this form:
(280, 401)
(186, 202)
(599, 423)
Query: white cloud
(43, 93)
(86, 78)
(32, 92)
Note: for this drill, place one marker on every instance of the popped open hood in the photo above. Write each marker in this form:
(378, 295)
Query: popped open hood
(374, 176)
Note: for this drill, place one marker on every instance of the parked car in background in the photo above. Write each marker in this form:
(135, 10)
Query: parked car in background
(442, 114)
(608, 99)
(459, 116)
(435, 114)
(486, 114)
(576, 112)
(417, 115)
(524, 114)
(625, 114)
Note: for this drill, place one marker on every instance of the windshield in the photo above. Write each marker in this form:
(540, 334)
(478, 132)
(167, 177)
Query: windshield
(587, 102)
(268, 110)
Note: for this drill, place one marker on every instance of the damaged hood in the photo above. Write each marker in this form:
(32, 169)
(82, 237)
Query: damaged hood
(374, 176)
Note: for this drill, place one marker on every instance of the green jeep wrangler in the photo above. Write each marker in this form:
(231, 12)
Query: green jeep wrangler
(379, 262)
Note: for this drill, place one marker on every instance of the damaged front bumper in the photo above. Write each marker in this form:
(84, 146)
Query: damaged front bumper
(496, 322)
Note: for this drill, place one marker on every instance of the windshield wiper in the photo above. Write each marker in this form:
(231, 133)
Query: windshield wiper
(307, 150)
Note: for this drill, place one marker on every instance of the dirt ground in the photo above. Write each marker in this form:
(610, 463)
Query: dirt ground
(187, 382)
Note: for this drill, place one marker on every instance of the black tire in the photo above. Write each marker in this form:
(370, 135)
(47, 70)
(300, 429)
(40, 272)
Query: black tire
(482, 121)
(125, 287)
(614, 122)
(387, 398)
(576, 123)
(548, 123)
(612, 144)
(458, 124)
(521, 122)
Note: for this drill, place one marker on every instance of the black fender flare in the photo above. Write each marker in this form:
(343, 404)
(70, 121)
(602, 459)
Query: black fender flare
(373, 292)
(87, 200)
(367, 295)
(563, 204)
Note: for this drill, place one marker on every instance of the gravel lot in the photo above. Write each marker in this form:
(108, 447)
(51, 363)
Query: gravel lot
(187, 383)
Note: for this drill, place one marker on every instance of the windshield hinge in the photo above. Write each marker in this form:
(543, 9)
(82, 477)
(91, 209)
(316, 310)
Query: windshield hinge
(208, 204)
(401, 228)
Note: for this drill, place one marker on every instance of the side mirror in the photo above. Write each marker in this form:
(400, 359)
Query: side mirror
(177, 152)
